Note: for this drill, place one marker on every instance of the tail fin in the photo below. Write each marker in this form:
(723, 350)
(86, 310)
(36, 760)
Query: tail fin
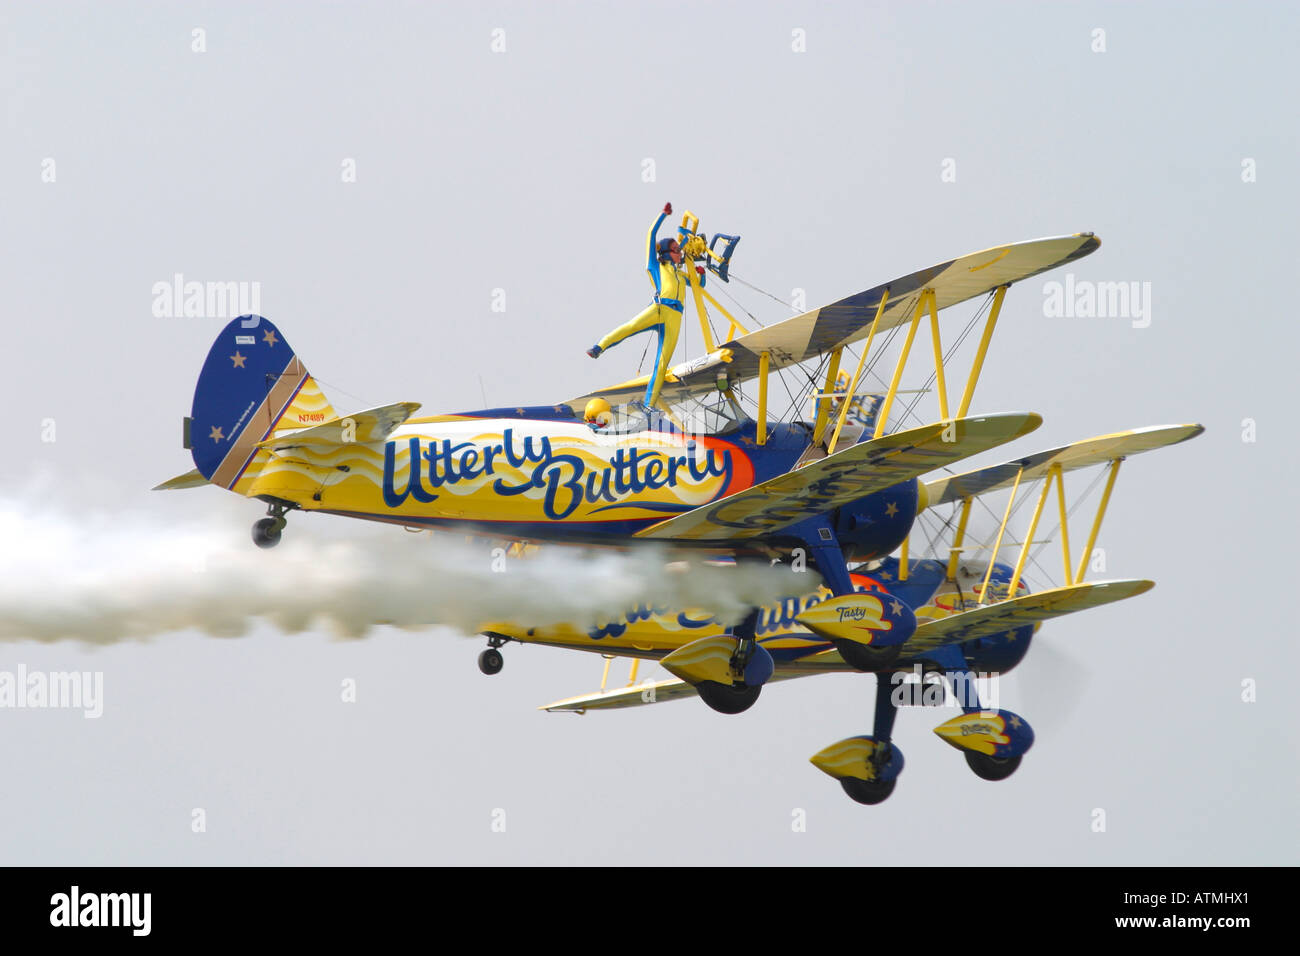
(251, 385)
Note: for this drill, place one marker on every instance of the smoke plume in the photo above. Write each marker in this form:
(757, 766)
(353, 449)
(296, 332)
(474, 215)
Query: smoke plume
(105, 578)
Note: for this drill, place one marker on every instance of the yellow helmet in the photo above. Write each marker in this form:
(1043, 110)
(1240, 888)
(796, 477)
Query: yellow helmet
(597, 412)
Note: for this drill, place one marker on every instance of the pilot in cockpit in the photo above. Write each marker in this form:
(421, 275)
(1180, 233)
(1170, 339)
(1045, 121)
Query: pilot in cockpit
(597, 415)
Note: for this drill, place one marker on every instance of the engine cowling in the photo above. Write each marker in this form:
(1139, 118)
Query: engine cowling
(998, 653)
(875, 525)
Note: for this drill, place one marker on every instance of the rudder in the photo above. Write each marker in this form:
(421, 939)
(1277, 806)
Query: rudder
(252, 383)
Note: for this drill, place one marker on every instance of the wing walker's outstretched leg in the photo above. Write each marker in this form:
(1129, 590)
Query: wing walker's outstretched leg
(664, 318)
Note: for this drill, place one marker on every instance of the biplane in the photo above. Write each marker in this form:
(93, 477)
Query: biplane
(712, 469)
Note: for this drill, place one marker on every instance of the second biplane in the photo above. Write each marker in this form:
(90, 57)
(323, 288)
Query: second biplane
(842, 491)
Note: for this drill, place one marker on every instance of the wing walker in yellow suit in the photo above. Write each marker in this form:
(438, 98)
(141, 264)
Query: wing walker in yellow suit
(664, 315)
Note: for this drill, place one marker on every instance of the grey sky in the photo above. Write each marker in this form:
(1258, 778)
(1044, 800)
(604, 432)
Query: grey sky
(522, 170)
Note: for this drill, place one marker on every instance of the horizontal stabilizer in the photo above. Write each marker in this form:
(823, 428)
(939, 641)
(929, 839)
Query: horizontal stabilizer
(372, 425)
(1009, 615)
(191, 479)
(1081, 454)
(843, 477)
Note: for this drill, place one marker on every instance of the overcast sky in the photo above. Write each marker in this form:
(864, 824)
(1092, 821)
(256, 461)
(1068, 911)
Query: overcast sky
(848, 144)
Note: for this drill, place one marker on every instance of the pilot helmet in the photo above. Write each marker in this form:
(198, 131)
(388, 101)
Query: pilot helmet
(669, 249)
(597, 413)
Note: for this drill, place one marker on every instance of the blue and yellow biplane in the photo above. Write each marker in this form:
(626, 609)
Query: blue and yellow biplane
(709, 468)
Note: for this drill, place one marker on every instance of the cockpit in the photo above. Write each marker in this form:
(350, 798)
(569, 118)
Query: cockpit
(717, 414)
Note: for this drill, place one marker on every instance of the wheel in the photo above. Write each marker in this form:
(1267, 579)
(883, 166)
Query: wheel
(266, 533)
(991, 768)
(728, 699)
(491, 661)
(869, 792)
(863, 658)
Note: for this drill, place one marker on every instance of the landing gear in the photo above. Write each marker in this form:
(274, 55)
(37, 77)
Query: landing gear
(819, 536)
(751, 662)
(885, 759)
(991, 768)
(867, 768)
(266, 531)
(1007, 735)
(727, 671)
(869, 792)
(491, 660)
(728, 699)
(863, 658)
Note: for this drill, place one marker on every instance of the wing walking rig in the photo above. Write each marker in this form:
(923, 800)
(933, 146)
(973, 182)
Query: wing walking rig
(842, 492)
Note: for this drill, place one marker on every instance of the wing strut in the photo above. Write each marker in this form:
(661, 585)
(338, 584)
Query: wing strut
(857, 375)
(959, 538)
(631, 677)
(927, 301)
(997, 544)
(1096, 523)
(824, 400)
(926, 296)
(1055, 475)
(978, 365)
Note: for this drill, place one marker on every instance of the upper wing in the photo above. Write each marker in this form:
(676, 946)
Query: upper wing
(1081, 454)
(849, 320)
(842, 477)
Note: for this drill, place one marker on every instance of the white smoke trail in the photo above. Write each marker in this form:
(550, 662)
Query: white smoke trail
(101, 579)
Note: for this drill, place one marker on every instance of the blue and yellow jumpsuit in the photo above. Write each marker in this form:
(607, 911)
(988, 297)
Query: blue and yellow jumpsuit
(663, 316)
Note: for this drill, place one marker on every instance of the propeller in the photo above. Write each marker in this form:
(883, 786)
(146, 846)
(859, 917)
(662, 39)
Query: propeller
(1048, 685)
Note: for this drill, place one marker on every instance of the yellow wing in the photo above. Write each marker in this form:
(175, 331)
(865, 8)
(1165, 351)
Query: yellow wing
(843, 477)
(811, 334)
(1007, 615)
(1080, 454)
